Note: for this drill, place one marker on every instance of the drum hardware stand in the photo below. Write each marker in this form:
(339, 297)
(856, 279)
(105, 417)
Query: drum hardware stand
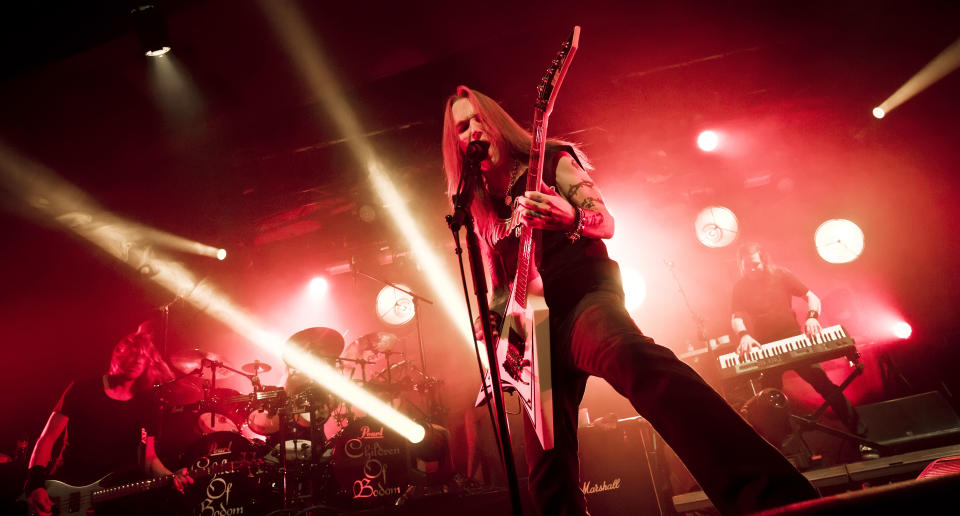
(214, 365)
(461, 218)
(284, 471)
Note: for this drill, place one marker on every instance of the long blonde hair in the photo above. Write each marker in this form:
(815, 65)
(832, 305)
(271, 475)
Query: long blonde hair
(157, 371)
(506, 133)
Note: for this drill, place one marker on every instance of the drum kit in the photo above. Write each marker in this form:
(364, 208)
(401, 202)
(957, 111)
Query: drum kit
(314, 447)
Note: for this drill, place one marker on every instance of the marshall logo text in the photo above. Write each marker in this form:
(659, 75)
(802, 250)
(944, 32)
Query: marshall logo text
(591, 488)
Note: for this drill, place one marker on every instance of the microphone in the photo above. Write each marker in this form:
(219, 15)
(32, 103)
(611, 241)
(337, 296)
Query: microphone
(477, 151)
(668, 263)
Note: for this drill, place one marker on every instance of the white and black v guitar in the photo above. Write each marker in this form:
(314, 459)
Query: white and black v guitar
(523, 350)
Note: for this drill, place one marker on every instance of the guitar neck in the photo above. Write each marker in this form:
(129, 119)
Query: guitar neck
(110, 493)
(534, 177)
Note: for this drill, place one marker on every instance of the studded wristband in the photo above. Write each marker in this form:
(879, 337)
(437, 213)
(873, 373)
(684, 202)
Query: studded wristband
(577, 224)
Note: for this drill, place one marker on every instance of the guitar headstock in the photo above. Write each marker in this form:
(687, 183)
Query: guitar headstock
(550, 83)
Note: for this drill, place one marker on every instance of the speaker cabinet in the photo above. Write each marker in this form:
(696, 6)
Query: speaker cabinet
(912, 423)
(618, 466)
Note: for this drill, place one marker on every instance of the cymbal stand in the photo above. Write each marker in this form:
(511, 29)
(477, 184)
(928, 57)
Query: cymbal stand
(283, 413)
(213, 365)
(697, 318)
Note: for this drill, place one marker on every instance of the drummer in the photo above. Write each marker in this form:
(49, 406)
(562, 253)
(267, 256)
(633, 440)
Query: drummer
(328, 345)
(366, 351)
(354, 360)
(109, 420)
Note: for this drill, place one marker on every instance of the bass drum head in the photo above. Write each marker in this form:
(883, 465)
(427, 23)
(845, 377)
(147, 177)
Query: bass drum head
(238, 492)
(212, 422)
(370, 463)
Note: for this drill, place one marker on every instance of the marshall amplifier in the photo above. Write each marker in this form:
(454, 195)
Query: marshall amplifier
(617, 469)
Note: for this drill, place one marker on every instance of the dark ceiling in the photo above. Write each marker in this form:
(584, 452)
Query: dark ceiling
(244, 155)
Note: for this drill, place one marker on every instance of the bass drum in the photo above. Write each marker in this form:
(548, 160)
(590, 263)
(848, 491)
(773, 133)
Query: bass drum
(370, 463)
(244, 491)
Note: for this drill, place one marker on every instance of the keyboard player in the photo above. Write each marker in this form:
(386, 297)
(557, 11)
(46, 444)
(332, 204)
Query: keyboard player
(763, 312)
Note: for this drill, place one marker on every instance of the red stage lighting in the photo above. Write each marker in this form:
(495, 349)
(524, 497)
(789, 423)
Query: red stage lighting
(902, 330)
(318, 287)
(708, 141)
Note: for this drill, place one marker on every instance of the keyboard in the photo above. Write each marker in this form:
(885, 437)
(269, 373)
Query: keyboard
(783, 354)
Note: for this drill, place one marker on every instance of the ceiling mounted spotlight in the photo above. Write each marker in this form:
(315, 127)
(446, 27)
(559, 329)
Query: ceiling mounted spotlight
(151, 29)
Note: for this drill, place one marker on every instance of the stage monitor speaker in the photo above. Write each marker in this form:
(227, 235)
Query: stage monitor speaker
(912, 423)
(617, 470)
(940, 467)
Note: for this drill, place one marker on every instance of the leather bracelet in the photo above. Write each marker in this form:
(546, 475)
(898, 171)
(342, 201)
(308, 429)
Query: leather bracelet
(36, 478)
(813, 314)
(577, 224)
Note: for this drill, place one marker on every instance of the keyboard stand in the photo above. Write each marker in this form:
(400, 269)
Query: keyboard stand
(805, 424)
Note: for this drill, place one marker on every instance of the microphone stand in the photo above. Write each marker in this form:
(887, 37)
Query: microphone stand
(461, 217)
(697, 320)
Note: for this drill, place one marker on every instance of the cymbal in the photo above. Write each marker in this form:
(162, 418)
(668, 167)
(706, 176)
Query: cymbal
(318, 341)
(191, 360)
(256, 367)
(378, 341)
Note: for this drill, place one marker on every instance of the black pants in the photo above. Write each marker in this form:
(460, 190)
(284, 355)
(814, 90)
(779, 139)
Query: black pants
(736, 468)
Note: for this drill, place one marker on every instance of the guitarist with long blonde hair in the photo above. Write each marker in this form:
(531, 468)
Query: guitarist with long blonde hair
(591, 332)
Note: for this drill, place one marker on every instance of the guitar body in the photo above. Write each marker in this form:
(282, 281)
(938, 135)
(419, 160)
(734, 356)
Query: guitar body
(71, 500)
(523, 355)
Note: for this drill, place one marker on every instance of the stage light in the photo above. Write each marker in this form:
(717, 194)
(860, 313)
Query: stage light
(634, 288)
(708, 141)
(299, 41)
(318, 287)
(902, 330)
(878, 112)
(839, 241)
(945, 62)
(151, 29)
(221, 254)
(716, 226)
(395, 306)
(53, 199)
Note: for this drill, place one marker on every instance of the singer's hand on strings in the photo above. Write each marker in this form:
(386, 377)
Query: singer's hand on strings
(546, 209)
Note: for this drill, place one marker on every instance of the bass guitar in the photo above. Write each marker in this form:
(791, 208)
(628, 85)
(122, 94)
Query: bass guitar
(71, 500)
